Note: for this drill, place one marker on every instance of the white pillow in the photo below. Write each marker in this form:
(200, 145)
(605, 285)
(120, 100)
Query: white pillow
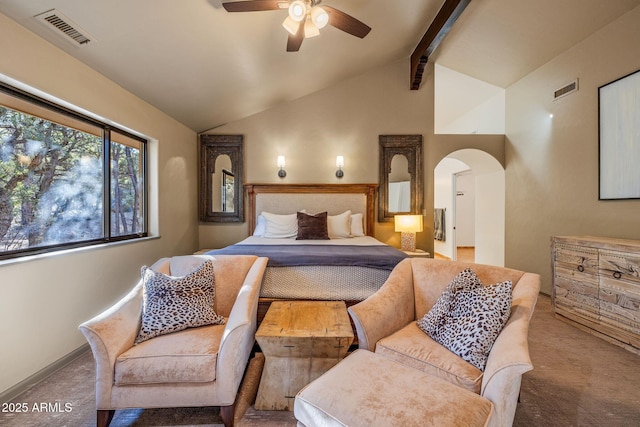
(280, 226)
(357, 226)
(261, 226)
(339, 226)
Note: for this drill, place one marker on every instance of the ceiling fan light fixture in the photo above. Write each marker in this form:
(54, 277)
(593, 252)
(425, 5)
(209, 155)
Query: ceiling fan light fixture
(310, 29)
(319, 16)
(305, 18)
(297, 10)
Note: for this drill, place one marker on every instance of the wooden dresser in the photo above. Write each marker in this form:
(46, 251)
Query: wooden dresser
(596, 286)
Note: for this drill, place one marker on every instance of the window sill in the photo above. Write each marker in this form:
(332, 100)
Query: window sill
(36, 257)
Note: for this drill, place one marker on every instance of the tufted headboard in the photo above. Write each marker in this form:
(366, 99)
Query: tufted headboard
(333, 198)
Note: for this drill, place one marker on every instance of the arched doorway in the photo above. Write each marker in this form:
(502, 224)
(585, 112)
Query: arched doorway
(478, 205)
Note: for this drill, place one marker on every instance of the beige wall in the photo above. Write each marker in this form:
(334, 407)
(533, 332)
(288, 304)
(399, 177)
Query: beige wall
(44, 299)
(345, 119)
(552, 164)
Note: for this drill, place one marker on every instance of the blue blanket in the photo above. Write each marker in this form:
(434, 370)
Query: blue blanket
(380, 256)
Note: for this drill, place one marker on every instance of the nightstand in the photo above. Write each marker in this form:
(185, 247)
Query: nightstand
(419, 253)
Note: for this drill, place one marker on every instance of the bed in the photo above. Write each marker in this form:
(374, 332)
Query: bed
(349, 266)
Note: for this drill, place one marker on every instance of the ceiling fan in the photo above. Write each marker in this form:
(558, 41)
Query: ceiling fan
(305, 18)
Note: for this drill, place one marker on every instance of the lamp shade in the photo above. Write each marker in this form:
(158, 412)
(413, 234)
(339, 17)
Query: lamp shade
(319, 16)
(297, 10)
(281, 161)
(408, 223)
(310, 29)
(291, 25)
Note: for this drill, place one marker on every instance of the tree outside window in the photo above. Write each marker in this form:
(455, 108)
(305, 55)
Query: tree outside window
(53, 180)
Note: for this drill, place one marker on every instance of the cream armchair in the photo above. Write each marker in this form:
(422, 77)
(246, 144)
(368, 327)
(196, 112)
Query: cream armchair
(192, 368)
(385, 323)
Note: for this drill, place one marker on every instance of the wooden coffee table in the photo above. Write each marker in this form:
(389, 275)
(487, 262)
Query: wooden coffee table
(300, 340)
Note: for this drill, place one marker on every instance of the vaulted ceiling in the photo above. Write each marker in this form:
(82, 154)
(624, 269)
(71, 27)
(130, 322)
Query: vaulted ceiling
(206, 67)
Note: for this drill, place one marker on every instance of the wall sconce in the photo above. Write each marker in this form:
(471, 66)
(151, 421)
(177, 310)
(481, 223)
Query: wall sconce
(408, 226)
(339, 165)
(281, 173)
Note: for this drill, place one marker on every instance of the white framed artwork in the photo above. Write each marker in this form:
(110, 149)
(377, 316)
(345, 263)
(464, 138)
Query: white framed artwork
(619, 138)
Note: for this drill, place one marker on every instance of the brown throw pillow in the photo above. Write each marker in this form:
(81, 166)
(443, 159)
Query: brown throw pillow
(312, 227)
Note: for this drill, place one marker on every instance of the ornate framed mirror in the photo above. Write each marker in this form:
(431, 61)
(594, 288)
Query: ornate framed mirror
(221, 171)
(401, 180)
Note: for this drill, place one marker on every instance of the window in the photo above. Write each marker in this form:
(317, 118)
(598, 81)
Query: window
(66, 180)
(126, 164)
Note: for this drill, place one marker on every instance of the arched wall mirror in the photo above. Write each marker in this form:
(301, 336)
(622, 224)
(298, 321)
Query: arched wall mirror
(401, 182)
(221, 171)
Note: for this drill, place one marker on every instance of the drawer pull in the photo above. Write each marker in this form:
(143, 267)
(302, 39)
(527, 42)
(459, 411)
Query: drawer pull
(617, 275)
(581, 269)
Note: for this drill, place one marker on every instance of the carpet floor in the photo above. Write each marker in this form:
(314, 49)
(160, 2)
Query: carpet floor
(578, 380)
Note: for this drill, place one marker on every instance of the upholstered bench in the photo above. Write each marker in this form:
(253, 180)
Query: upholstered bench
(367, 389)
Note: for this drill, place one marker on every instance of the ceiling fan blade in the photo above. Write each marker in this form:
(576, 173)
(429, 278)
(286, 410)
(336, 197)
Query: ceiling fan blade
(253, 5)
(346, 23)
(295, 41)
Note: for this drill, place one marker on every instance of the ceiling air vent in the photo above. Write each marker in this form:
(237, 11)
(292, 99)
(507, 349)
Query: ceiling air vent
(65, 27)
(566, 90)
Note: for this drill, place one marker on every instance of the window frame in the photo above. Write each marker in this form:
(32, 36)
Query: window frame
(106, 179)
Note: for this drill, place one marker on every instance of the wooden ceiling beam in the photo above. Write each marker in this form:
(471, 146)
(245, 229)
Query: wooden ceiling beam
(440, 26)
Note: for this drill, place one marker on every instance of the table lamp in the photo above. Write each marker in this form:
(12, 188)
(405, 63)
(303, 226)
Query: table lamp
(408, 226)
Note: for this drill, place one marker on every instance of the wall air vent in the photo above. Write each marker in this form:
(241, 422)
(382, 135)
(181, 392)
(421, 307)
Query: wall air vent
(64, 27)
(566, 90)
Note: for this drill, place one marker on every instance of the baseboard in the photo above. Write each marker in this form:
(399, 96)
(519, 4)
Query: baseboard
(24, 385)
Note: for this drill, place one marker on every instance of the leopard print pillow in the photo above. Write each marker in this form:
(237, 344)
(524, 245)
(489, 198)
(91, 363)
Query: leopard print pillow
(474, 317)
(434, 319)
(172, 304)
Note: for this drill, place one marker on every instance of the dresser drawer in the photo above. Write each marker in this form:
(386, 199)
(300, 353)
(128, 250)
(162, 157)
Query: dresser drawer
(576, 263)
(576, 281)
(620, 269)
(620, 290)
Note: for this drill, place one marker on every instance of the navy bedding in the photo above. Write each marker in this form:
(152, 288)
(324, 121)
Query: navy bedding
(378, 256)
